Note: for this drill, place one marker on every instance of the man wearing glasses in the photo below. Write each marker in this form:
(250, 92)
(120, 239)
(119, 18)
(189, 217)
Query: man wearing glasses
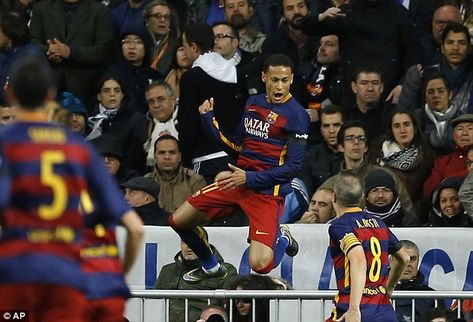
(352, 142)
(248, 64)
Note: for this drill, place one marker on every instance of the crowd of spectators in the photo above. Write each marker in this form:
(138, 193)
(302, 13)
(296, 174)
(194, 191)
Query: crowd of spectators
(388, 86)
(137, 70)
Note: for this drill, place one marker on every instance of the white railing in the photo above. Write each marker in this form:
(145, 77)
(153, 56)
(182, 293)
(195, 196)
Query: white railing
(290, 305)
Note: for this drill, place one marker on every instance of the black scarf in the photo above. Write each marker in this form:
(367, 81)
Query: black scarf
(405, 159)
(390, 214)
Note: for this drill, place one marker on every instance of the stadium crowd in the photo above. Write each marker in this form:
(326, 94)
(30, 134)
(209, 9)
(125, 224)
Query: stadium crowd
(387, 86)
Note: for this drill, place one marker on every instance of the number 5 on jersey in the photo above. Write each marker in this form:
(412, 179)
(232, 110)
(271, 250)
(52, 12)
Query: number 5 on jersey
(54, 181)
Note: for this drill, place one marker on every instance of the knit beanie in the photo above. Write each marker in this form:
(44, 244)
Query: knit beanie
(379, 178)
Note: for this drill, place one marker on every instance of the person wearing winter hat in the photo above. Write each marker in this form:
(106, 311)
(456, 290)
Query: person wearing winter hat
(352, 142)
(447, 209)
(382, 200)
(76, 120)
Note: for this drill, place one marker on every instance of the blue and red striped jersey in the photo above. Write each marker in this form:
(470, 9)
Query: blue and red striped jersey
(270, 141)
(357, 228)
(45, 171)
(101, 264)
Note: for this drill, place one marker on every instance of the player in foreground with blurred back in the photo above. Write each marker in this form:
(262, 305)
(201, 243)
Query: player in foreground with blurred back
(45, 172)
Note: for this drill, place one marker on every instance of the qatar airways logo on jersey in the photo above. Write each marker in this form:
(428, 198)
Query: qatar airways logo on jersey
(257, 127)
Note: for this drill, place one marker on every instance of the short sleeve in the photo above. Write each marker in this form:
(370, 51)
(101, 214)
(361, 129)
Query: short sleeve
(394, 244)
(342, 235)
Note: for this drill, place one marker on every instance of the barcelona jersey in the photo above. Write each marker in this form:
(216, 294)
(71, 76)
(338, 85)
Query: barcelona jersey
(46, 172)
(101, 264)
(270, 142)
(353, 229)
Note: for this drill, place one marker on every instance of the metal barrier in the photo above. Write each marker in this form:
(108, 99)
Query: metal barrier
(292, 300)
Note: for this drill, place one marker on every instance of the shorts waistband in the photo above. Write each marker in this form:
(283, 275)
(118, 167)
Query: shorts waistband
(210, 156)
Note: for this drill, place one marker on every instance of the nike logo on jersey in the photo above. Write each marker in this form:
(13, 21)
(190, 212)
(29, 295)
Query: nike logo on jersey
(258, 232)
(301, 136)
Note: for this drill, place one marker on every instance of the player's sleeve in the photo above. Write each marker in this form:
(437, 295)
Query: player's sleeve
(293, 159)
(109, 198)
(393, 244)
(342, 235)
(231, 143)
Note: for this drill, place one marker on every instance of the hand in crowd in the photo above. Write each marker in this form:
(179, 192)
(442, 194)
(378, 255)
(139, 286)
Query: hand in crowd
(207, 106)
(313, 114)
(331, 13)
(233, 180)
(394, 95)
(420, 68)
(57, 50)
(308, 217)
(54, 58)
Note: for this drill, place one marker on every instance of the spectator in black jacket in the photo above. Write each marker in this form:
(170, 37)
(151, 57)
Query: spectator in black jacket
(77, 39)
(115, 115)
(323, 160)
(289, 39)
(110, 149)
(133, 65)
(413, 280)
(371, 31)
(369, 107)
(142, 193)
(211, 76)
(382, 200)
(432, 54)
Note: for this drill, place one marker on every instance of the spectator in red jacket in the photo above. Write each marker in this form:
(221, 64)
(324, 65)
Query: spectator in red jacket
(453, 164)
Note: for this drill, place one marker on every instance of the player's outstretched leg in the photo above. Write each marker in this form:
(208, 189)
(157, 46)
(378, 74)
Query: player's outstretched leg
(197, 240)
(285, 243)
(210, 267)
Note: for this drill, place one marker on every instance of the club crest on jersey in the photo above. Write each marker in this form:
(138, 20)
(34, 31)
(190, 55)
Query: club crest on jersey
(272, 117)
